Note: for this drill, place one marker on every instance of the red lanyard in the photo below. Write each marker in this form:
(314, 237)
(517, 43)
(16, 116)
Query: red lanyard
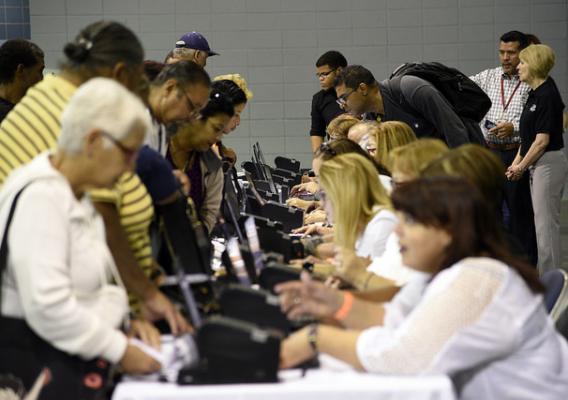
(506, 105)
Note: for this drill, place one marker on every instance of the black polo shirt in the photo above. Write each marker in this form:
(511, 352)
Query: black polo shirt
(542, 114)
(324, 109)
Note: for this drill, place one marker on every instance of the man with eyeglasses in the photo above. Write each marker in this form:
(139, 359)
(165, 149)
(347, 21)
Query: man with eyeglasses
(418, 103)
(324, 106)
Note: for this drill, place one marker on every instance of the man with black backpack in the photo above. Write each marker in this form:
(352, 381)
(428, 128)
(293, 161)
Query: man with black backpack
(416, 101)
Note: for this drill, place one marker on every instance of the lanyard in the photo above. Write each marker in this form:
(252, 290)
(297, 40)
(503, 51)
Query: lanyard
(506, 105)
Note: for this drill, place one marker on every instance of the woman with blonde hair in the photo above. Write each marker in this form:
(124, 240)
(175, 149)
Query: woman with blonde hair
(340, 125)
(541, 151)
(357, 203)
(407, 162)
(388, 136)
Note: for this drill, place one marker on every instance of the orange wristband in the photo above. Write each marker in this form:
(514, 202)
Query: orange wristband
(345, 307)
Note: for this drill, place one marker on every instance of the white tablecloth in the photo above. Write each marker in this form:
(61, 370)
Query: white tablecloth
(317, 384)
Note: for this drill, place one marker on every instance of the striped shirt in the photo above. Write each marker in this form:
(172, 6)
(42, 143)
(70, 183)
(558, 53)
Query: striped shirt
(506, 105)
(33, 127)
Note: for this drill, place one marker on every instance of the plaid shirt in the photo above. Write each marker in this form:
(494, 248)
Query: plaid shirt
(490, 81)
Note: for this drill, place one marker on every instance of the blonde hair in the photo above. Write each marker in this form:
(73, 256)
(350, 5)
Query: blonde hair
(412, 158)
(539, 58)
(239, 81)
(340, 125)
(476, 164)
(351, 183)
(388, 136)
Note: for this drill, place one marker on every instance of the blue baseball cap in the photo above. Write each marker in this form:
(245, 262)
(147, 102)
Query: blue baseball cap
(195, 40)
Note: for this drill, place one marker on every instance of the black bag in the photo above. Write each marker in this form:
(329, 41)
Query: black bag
(466, 97)
(233, 351)
(24, 354)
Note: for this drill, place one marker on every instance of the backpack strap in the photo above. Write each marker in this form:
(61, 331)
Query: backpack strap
(4, 245)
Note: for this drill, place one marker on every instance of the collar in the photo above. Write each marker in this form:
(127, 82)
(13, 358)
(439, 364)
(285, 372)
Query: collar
(508, 77)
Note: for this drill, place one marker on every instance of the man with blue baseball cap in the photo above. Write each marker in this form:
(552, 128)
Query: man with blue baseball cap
(191, 46)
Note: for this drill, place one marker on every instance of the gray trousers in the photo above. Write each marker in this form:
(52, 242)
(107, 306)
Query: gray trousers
(548, 176)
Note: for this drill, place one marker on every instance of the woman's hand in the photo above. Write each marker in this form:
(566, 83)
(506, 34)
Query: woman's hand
(315, 216)
(146, 332)
(313, 229)
(311, 187)
(308, 297)
(183, 180)
(295, 349)
(299, 203)
(137, 362)
(514, 172)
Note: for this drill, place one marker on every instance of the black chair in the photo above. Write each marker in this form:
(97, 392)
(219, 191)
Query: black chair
(556, 295)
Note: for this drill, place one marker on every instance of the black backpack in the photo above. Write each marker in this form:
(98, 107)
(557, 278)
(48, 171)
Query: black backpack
(468, 100)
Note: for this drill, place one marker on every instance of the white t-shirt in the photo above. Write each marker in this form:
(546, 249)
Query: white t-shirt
(477, 322)
(373, 240)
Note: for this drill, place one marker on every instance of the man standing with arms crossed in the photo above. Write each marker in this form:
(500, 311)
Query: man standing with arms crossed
(501, 130)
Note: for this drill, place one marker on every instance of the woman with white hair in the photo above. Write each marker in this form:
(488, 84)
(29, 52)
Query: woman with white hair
(62, 301)
(542, 151)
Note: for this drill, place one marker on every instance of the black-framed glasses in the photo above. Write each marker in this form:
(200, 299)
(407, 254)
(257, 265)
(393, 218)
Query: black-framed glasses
(325, 74)
(129, 154)
(342, 100)
(192, 110)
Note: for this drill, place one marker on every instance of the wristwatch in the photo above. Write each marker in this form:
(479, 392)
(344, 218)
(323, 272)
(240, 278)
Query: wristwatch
(313, 337)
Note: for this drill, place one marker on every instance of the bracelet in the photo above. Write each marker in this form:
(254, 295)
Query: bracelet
(313, 337)
(345, 307)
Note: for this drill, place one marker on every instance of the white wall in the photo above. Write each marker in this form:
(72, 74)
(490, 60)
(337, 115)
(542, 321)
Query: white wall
(275, 43)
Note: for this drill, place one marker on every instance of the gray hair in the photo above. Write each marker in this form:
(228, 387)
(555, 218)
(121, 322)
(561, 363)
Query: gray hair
(103, 104)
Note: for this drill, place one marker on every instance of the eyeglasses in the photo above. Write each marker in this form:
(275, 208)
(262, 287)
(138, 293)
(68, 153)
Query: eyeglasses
(325, 74)
(342, 100)
(129, 154)
(192, 110)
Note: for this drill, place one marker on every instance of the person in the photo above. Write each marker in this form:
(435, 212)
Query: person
(324, 106)
(176, 95)
(339, 127)
(189, 151)
(192, 46)
(477, 315)
(58, 294)
(541, 151)
(357, 204)
(501, 130)
(102, 49)
(426, 111)
(21, 67)
(388, 136)
(236, 88)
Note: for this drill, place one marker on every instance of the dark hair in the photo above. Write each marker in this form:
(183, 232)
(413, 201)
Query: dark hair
(231, 89)
(16, 52)
(353, 75)
(185, 73)
(332, 58)
(152, 69)
(515, 36)
(333, 148)
(455, 205)
(219, 103)
(532, 39)
(103, 43)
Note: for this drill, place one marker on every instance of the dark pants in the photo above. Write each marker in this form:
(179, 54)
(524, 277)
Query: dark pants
(517, 198)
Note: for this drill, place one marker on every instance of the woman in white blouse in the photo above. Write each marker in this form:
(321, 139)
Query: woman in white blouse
(357, 204)
(477, 314)
(60, 288)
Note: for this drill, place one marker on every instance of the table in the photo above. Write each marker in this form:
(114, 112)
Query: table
(317, 384)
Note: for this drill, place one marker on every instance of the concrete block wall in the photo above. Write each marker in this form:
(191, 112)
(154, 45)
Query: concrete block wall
(274, 44)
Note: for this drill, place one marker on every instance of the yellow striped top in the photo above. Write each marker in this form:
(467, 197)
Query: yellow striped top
(33, 127)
